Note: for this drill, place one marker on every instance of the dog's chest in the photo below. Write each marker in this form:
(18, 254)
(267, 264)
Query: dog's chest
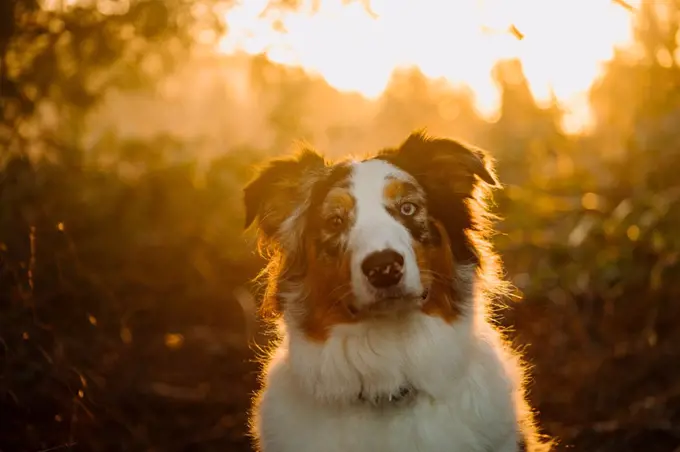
(411, 425)
(457, 401)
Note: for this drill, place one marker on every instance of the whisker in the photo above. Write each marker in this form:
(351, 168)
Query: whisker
(340, 287)
(440, 277)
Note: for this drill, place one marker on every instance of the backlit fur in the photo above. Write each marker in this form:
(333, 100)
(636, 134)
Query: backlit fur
(343, 340)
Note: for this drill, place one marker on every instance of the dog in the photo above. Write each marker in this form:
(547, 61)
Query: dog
(378, 278)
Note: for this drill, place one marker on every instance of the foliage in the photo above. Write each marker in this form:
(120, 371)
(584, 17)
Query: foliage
(126, 320)
(45, 90)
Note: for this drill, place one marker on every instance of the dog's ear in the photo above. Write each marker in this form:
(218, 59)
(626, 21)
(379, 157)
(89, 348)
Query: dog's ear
(279, 188)
(451, 173)
(444, 164)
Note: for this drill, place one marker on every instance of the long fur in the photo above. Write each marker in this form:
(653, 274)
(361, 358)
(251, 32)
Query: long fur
(468, 382)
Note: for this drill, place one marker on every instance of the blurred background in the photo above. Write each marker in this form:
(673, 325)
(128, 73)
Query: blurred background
(129, 127)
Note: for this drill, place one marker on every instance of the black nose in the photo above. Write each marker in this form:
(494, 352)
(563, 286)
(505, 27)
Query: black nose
(383, 268)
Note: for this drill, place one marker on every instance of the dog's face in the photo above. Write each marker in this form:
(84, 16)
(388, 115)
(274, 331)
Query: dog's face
(374, 219)
(378, 237)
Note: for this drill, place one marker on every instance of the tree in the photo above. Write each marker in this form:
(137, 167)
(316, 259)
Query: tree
(59, 62)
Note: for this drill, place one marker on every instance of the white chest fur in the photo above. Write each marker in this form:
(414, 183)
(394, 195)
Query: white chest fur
(466, 386)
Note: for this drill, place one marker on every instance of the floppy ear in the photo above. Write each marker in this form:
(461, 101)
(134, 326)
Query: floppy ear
(279, 189)
(450, 173)
(444, 164)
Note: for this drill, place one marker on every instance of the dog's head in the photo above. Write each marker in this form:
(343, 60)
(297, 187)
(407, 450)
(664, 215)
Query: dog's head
(372, 238)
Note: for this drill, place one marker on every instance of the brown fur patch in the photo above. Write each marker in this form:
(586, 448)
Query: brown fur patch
(270, 307)
(327, 302)
(395, 189)
(299, 257)
(437, 268)
(456, 178)
(279, 188)
(339, 199)
(454, 171)
(280, 204)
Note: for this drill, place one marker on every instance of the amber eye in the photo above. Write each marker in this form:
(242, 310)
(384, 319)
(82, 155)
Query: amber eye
(408, 209)
(335, 222)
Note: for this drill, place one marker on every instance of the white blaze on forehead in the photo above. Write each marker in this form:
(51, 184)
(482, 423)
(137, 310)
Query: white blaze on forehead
(371, 177)
(374, 228)
(368, 183)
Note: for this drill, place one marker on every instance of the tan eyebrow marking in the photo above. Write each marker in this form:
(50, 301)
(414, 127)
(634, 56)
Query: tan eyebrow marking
(397, 188)
(339, 199)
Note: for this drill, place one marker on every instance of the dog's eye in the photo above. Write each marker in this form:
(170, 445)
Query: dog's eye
(408, 209)
(335, 222)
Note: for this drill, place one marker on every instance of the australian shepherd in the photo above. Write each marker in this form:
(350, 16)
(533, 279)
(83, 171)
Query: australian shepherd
(379, 278)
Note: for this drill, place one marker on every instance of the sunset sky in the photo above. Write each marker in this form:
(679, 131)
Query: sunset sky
(356, 48)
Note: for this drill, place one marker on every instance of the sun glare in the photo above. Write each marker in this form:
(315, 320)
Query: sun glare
(356, 48)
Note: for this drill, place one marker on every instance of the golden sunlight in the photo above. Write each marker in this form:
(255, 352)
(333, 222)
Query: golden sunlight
(356, 47)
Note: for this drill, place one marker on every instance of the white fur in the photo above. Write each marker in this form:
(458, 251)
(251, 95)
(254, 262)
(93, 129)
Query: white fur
(466, 383)
(376, 230)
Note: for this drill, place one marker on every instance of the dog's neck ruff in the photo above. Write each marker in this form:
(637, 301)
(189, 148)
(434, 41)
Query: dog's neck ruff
(401, 396)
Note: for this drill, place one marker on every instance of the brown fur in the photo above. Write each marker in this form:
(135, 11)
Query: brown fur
(395, 189)
(457, 179)
(279, 189)
(436, 265)
(340, 200)
(328, 301)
